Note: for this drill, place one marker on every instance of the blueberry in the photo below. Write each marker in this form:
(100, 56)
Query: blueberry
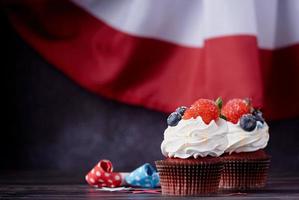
(181, 110)
(258, 116)
(173, 119)
(248, 122)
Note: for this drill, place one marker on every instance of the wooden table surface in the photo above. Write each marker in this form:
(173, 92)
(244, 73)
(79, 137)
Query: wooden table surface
(53, 185)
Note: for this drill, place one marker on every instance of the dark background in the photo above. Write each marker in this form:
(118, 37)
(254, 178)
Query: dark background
(58, 125)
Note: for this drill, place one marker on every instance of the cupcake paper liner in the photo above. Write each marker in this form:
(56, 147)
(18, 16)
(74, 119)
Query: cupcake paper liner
(186, 179)
(244, 174)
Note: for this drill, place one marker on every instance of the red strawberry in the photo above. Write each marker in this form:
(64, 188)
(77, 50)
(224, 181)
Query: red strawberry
(205, 108)
(235, 108)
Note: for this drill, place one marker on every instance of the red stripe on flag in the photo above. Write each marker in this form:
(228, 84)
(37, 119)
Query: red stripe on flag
(280, 70)
(158, 74)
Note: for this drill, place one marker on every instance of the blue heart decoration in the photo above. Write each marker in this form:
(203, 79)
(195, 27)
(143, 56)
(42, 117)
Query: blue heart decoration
(144, 176)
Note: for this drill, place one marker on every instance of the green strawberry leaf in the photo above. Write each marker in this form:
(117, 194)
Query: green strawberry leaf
(223, 117)
(248, 101)
(219, 102)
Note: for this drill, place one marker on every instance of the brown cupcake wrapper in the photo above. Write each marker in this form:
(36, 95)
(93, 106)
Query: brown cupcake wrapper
(244, 174)
(183, 179)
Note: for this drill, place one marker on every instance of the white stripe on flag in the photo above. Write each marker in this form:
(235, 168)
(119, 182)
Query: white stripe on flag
(190, 22)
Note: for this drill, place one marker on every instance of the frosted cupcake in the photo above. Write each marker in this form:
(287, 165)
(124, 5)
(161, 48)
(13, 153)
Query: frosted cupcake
(245, 162)
(193, 143)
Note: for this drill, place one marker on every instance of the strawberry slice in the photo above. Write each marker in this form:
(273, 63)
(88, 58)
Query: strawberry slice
(206, 108)
(235, 108)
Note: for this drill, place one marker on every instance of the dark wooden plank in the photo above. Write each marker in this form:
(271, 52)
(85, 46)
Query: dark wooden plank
(50, 186)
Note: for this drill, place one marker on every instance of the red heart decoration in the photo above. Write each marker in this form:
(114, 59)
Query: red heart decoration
(102, 175)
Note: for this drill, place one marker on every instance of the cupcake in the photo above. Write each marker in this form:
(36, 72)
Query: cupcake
(245, 162)
(193, 143)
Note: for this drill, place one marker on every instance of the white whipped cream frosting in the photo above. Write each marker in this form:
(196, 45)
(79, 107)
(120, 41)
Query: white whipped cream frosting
(244, 141)
(195, 138)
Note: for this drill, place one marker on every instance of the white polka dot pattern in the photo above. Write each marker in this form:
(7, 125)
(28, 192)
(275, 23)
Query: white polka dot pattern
(144, 176)
(102, 176)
